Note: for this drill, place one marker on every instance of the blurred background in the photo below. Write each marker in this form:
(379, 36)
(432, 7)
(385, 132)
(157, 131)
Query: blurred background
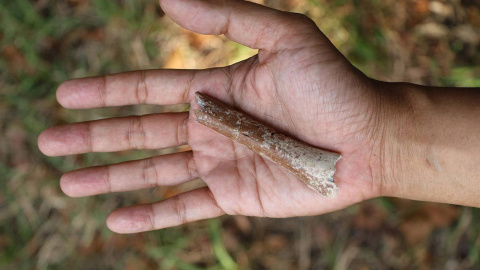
(45, 42)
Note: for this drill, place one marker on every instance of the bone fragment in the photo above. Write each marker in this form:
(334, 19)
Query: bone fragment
(314, 166)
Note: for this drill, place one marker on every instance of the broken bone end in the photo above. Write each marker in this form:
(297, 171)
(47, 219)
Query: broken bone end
(327, 188)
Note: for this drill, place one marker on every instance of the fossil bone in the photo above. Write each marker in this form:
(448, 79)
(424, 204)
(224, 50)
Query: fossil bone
(314, 166)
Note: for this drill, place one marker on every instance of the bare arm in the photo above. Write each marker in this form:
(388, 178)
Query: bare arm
(433, 146)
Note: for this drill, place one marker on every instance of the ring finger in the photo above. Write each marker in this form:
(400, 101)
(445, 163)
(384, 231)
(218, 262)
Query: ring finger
(163, 170)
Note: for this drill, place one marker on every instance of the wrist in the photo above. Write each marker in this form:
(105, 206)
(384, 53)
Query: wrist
(400, 147)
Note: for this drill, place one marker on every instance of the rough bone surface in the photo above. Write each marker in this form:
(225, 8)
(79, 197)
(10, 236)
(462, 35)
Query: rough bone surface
(314, 166)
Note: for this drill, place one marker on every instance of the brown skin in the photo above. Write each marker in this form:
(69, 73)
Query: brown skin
(298, 83)
(434, 145)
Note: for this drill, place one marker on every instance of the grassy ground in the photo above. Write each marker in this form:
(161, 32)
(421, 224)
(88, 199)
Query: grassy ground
(45, 42)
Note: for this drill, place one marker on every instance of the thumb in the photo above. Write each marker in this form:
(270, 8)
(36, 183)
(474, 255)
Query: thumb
(247, 23)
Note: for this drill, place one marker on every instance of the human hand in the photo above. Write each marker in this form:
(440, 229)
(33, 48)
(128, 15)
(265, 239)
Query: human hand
(298, 83)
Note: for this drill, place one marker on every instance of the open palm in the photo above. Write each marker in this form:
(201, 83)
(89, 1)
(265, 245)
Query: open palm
(298, 83)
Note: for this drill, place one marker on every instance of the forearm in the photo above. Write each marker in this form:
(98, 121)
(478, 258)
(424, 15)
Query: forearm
(433, 151)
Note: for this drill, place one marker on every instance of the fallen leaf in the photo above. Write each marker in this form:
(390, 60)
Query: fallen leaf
(276, 242)
(370, 217)
(16, 60)
(418, 225)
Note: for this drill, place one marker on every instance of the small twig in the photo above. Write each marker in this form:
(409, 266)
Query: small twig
(314, 166)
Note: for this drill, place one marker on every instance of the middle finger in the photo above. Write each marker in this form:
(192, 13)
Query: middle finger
(153, 131)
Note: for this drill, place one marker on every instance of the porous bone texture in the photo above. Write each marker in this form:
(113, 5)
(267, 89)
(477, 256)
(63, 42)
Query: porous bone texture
(314, 166)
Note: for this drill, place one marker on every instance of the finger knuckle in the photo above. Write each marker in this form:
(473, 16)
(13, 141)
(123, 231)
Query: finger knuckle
(136, 135)
(149, 173)
(107, 180)
(191, 166)
(182, 129)
(180, 210)
(151, 217)
(141, 89)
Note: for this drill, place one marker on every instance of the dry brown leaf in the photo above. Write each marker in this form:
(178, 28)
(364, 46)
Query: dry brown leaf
(276, 242)
(370, 217)
(416, 230)
(243, 224)
(422, 7)
(16, 60)
(441, 215)
(198, 41)
(418, 225)
(175, 60)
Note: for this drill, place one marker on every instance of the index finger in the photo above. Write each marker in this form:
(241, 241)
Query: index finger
(159, 87)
